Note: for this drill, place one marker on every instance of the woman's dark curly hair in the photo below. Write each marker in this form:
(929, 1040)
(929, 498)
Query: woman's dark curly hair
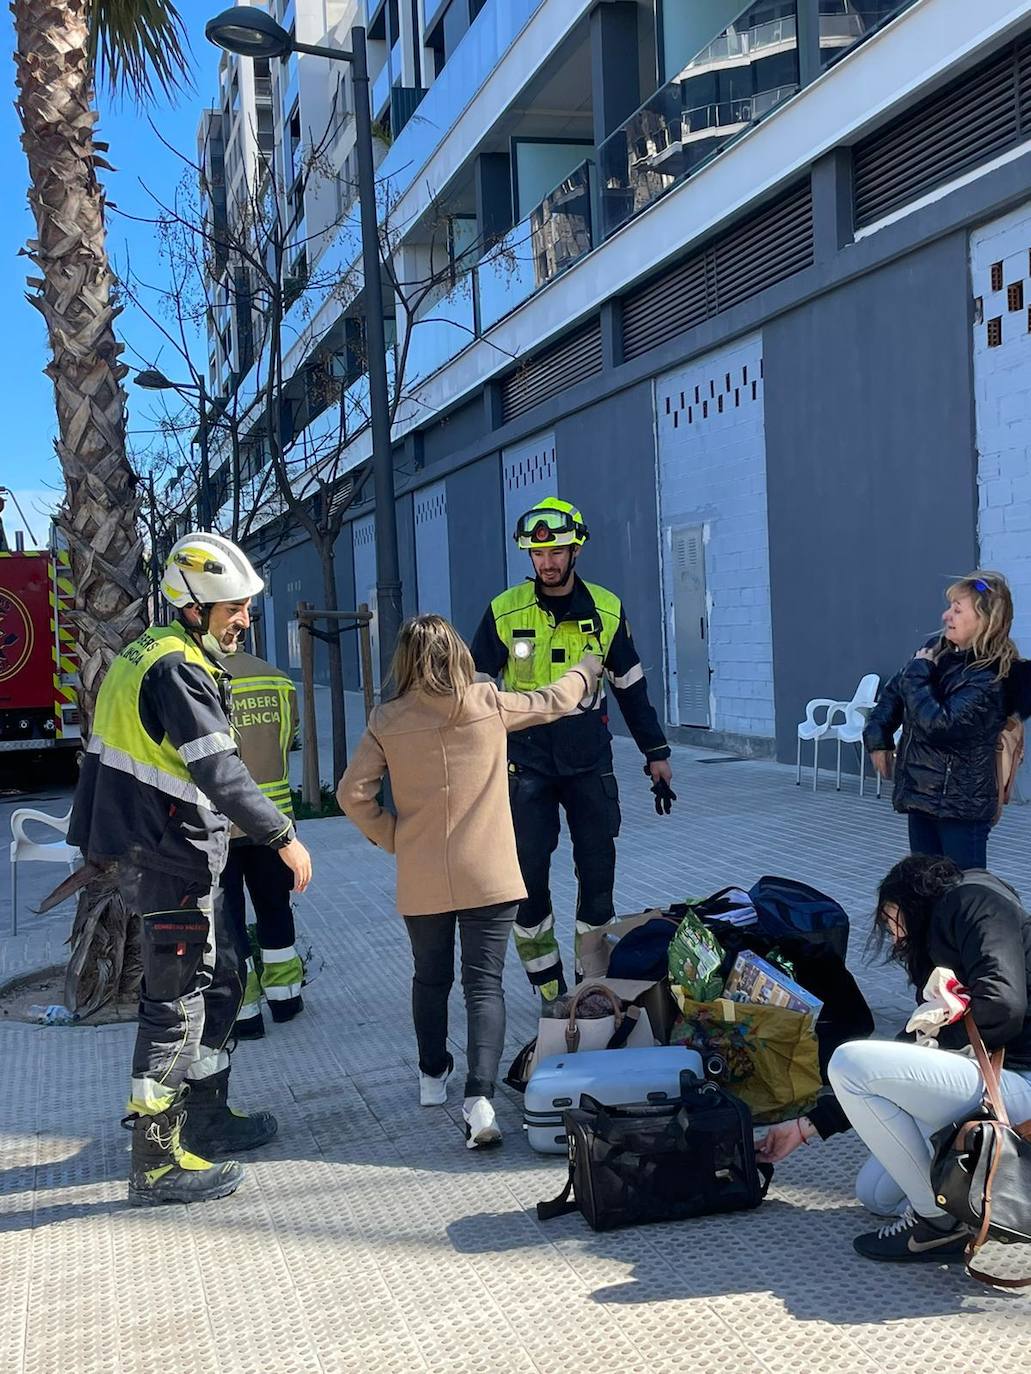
(915, 885)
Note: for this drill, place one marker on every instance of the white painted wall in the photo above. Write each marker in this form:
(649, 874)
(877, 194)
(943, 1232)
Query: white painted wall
(1002, 405)
(1002, 398)
(712, 472)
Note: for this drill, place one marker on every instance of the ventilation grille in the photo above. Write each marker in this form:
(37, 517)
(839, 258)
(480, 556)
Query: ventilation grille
(341, 498)
(972, 120)
(774, 244)
(571, 360)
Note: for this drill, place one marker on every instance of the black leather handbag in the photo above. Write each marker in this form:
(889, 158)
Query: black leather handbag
(653, 1161)
(981, 1170)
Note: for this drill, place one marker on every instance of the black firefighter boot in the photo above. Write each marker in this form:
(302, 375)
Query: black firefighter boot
(214, 1128)
(163, 1170)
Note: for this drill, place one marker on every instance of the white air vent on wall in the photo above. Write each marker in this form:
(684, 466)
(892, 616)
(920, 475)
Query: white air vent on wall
(529, 473)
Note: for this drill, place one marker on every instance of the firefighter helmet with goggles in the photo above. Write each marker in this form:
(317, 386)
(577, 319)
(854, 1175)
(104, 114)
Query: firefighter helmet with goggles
(202, 568)
(551, 524)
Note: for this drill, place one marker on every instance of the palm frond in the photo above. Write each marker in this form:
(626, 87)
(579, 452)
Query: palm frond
(138, 47)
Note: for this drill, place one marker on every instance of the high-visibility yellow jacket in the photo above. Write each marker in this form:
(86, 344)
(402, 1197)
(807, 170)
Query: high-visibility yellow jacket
(162, 776)
(531, 639)
(264, 717)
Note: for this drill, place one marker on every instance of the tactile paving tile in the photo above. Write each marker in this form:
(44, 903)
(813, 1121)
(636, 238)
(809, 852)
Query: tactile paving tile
(367, 1239)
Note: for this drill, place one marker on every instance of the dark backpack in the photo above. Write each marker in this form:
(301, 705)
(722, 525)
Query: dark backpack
(787, 908)
(643, 953)
(661, 1161)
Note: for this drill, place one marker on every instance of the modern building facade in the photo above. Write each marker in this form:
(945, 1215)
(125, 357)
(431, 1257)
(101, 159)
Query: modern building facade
(750, 283)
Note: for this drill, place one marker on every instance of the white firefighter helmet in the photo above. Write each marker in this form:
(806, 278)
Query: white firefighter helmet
(203, 568)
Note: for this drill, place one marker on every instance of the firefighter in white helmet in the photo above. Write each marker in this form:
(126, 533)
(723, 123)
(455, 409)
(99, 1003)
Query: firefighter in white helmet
(161, 782)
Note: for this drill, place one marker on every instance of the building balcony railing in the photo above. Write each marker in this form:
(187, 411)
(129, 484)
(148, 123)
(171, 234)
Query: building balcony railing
(445, 326)
(476, 56)
(380, 89)
(674, 132)
(743, 45)
(545, 243)
(356, 404)
(844, 23)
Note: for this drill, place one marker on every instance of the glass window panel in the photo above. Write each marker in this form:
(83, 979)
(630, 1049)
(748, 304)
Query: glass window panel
(844, 23)
(736, 79)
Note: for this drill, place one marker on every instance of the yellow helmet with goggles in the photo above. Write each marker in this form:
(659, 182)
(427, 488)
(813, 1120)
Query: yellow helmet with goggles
(551, 524)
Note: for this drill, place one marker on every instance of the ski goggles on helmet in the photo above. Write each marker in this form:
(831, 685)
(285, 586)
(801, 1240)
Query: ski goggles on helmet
(196, 562)
(548, 529)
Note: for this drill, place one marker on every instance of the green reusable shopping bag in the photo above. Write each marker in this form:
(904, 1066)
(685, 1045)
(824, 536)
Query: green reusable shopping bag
(771, 1053)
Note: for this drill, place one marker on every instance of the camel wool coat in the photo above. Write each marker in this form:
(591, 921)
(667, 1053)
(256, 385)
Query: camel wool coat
(448, 765)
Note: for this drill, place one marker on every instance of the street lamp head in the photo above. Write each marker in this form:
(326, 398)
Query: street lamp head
(248, 32)
(152, 380)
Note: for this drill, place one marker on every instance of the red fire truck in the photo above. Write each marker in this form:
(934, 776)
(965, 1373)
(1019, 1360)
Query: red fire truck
(39, 667)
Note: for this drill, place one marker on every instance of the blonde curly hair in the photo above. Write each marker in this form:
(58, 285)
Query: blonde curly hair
(992, 600)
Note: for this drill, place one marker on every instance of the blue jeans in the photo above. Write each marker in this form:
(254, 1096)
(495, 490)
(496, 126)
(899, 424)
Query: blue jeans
(484, 933)
(964, 842)
(896, 1096)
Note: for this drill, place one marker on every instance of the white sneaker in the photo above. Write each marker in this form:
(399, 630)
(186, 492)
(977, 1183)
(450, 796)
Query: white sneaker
(433, 1091)
(481, 1125)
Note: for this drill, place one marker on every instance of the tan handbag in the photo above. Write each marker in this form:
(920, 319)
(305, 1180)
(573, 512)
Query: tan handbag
(596, 1032)
(628, 1024)
(1009, 754)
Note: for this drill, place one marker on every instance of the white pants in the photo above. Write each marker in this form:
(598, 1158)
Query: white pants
(896, 1096)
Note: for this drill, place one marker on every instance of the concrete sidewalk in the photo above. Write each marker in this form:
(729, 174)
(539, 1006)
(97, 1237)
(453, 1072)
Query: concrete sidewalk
(366, 1238)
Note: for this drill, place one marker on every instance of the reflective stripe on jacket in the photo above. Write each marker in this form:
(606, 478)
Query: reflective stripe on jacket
(592, 620)
(541, 651)
(161, 774)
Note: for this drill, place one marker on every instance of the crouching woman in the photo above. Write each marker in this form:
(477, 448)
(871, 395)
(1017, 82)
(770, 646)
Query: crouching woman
(443, 740)
(895, 1094)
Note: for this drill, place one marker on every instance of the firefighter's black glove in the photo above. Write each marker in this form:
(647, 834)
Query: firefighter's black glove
(663, 794)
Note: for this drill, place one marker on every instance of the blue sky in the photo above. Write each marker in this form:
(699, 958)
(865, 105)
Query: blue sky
(27, 462)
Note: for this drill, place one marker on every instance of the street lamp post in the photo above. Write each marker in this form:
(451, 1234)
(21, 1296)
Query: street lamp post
(153, 380)
(253, 33)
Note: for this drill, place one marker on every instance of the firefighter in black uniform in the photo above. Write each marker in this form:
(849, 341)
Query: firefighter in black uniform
(529, 636)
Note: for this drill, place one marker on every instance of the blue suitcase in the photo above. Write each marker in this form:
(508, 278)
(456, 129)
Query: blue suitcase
(612, 1077)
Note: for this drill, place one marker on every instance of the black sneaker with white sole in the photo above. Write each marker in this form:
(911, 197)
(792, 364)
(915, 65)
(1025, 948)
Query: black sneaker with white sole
(911, 1239)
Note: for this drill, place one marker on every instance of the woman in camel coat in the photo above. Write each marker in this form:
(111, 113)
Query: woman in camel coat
(443, 740)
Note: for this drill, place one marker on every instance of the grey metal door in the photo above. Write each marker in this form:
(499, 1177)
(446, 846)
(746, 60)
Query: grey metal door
(690, 625)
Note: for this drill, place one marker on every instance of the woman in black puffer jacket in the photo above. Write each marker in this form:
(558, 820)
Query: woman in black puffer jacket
(952, 702)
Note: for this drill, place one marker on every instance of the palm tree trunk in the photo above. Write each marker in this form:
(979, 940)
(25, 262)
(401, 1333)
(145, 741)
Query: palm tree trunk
(75, 294)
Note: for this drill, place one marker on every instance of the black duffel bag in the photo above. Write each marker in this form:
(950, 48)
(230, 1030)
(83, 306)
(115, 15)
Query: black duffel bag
(981, 1170)
(662, 1161)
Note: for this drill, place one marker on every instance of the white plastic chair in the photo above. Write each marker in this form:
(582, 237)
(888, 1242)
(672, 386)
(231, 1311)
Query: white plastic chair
(24, 850)
(816, 730)
(850, 729)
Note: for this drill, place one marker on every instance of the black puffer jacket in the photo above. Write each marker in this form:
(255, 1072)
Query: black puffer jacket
(951, 715)
(979, 930)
